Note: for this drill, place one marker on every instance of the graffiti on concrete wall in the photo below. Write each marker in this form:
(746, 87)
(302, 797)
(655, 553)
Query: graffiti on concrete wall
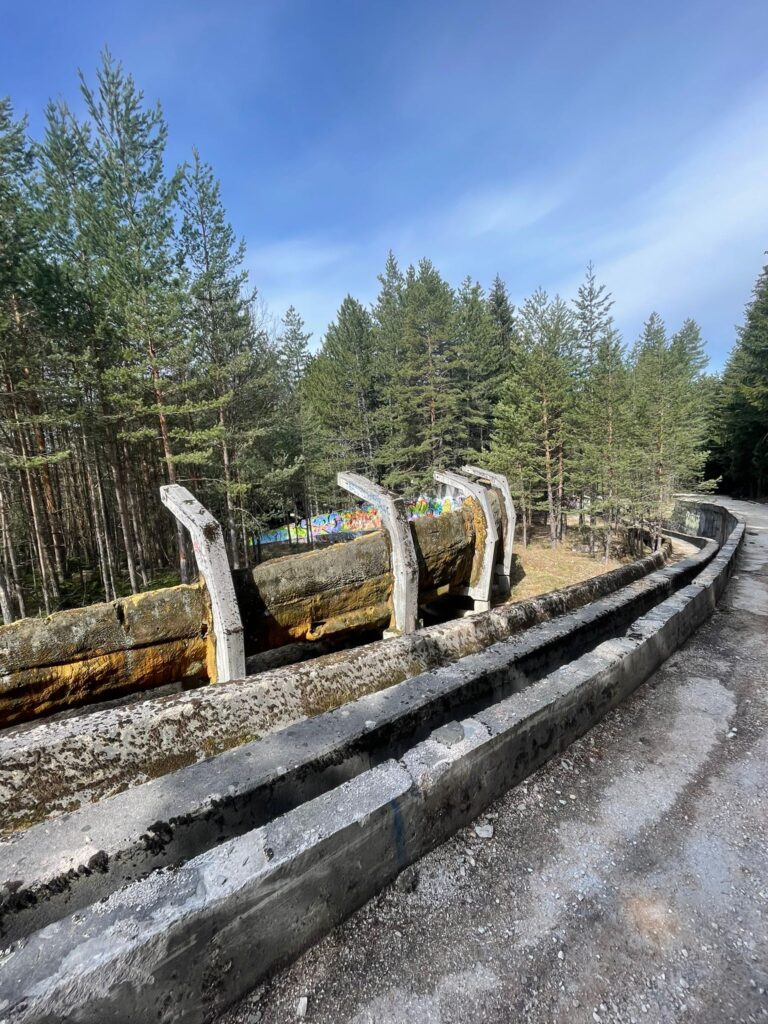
(355, 521)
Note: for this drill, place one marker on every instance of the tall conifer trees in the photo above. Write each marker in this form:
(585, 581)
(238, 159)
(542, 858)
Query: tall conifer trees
(743, 404)
(667, 418)
(537, 415)
(133, 352)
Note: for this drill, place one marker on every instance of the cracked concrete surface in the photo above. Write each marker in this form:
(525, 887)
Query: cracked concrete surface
(626, 881)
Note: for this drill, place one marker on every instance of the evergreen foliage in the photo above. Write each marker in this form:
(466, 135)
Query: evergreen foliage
(741, 417)
(134, 352)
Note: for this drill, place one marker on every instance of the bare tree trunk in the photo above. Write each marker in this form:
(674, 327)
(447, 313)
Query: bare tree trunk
(122, 511)
(553, 507)
(608, 542)
(108, 543)
(152, 543)
(9, 547)
(231, 527)
(550, 487)
(140, 559)
(48, 581)
(184, 571)
(561, 515)
(100, 529)
(51, 508)
(46, 574)
(6, 607)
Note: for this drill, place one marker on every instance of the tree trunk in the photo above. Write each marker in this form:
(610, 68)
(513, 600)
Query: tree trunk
(122, 512)
(135, 527)
(560, 493)
(99, 529)
(231, 527)
(6, 607)
(9, 546)
(184, 572)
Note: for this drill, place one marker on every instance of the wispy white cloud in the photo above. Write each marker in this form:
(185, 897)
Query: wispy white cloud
(686, 245)
(500, 211)
(314, 274)
(297, 257)
(311, 274)
(699, 232)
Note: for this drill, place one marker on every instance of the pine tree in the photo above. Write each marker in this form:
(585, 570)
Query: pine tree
(72, 203)
(294, 356)
(607, 443)
(502, 313)
(388, 331)
(515, 443)
(29, 367)
(135, 229)
(222, 350)
(424, 394)
(339, 393)
(535, 420)
(484, 357)
(593, 316)
(601, 409)
(17, 242)
(669, 424)
(745, 399)
(294, 347)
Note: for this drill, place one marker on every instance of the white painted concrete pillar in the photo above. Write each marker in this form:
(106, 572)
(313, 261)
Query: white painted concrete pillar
(212, 561)
(405, 567)
(500, 482)
(463, 485)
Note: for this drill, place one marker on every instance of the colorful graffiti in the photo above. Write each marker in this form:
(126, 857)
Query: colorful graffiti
(355, 521)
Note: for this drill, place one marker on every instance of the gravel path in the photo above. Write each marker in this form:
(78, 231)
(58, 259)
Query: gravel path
(626, 881)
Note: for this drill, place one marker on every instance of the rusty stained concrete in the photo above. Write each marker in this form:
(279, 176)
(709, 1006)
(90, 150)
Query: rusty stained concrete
(49, 768)
(84, 655)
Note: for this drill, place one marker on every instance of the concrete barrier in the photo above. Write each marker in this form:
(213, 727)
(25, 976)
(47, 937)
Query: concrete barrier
(51, 768)
(183, 943)
(61, 865)
(87, 655)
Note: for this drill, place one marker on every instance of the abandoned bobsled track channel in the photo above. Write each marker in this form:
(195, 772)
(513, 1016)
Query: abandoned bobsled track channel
(139, 885)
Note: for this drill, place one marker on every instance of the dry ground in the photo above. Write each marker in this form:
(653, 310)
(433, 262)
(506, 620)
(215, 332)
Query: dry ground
(539, 568)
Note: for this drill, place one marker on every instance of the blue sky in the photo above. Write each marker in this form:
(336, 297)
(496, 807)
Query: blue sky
(523, 139)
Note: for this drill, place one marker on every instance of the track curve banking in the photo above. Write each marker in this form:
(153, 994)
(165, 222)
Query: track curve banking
(175, 896)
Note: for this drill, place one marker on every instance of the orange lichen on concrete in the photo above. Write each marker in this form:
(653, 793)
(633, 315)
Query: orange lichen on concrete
(147, 640)
(39, 691)
(87, 654)
(347, 588)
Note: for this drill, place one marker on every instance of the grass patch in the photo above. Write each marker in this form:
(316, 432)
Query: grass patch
(540, 568)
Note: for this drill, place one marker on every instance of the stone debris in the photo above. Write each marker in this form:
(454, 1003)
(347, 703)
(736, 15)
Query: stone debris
(484, 831)
(407, 880)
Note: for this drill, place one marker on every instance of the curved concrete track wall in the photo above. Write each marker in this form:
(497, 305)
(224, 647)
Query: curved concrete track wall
(57, 766)
(417, 761)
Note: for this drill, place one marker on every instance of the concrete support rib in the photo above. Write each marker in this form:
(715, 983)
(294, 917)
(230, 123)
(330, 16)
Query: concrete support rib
(500, 482)
(405, 567)
(212, 561)
(480, 592)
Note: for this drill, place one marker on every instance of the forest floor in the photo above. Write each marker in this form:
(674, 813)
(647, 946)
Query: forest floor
(626, 881)
(539, 568)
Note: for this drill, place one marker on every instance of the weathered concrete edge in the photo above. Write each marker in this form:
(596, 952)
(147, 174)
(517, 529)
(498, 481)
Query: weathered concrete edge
(61, 865)
(259, 899)
(115, 748)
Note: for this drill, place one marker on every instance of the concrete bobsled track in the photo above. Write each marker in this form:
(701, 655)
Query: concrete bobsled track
(83, 655)
(172, 899)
